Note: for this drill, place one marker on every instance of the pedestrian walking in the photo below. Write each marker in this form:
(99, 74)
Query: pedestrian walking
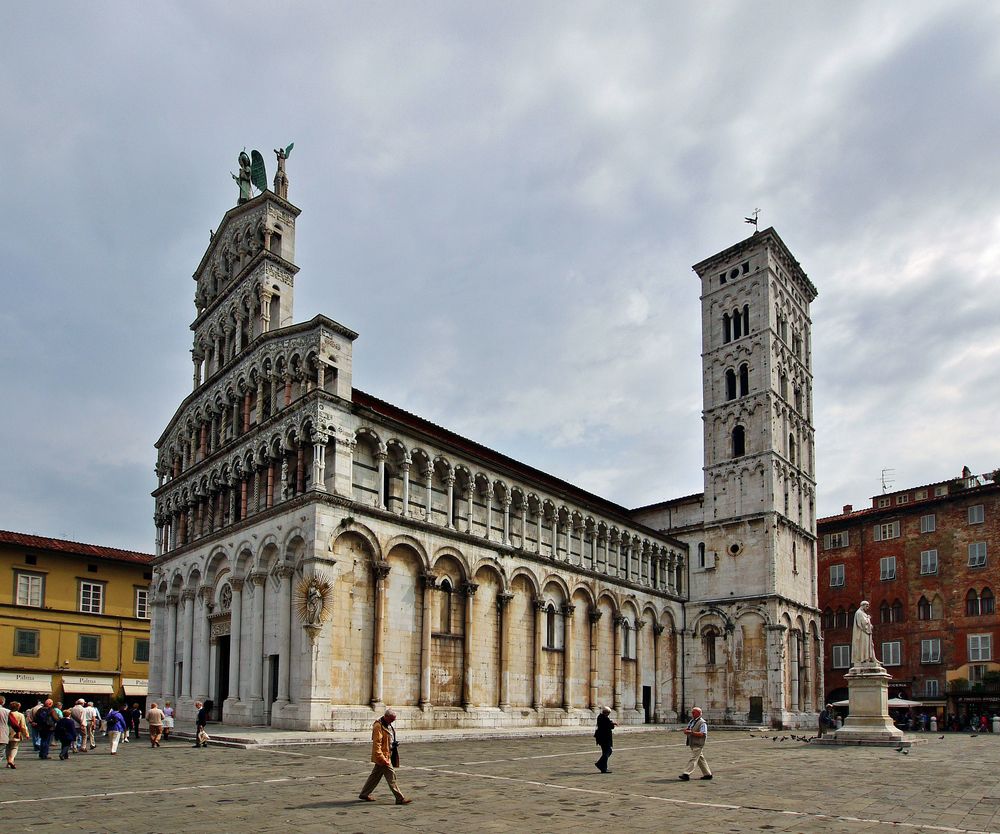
(602, 735)
(154, 717)
(385, 756)
(200, 722)
(18, 731)
(79, 715)
(697, 734)
(45, 720)
(92, 717)
(29, 717)
(134, 717)
(65, 733)
(4, 722)
(116, 728)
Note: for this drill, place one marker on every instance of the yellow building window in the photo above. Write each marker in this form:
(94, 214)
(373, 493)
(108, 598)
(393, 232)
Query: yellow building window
(89, 647)
(30, 589)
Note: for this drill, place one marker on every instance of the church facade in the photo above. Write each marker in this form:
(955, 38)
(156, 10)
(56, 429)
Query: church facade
(321, 553)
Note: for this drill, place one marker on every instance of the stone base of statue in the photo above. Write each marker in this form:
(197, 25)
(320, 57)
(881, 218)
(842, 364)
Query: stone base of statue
(868, 722)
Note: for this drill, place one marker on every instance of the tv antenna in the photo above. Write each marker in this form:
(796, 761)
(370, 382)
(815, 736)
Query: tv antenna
(888, 479)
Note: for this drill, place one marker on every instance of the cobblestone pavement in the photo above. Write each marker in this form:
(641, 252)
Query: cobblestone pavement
(517, 785)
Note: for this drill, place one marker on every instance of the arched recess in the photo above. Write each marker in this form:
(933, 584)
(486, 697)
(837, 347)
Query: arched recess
(353, 617)
(404, 614)
(607, 608)
(582, 601)
(555, 597)
(631, 616)
(668, 667)
(448, 632)
(522, 639)
(485, 668)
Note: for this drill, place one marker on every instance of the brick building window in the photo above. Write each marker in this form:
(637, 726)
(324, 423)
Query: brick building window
(884, 613)
(887, 567)
(902, 499)
(831, 541)
(928, 523)
(836, 575)
(930, 650)
(841, 618)
(884, 502)
(842, 656)
(931, 688)
(889, 530)
(925, 609)
(928, 561)
(891, 653)
(976, 514)
(977, 673)
(828, 618)
(977, 554)
(978, 604)
(980, 647)
(897, 612)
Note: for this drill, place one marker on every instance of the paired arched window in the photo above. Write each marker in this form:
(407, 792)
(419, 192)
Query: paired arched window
(978, 604)
(925, 611)
(840, 619)
(744, 382)
(884, 613)
(897, 612)
(739, 442)
(737, 324)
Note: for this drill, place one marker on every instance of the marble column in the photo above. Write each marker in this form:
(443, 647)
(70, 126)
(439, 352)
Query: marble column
(319, 463)
(404, 468)
(793, 667)
(235, 635)
(638, 668)
(488, 497)
(503, 608)
(536, 698)
(430, 582)
(284, 614)
(617, 689)
(469, 644)
(472, 505)
(429, 493)
(170, 650)
(657, 670)
(450, 483)
(506, 519)
(568, 661)
(187, 644)
(776, 666)
(381, 456)
(381, 574)
(156, 646)
(255, 688)
(594, 615)
(203, 644)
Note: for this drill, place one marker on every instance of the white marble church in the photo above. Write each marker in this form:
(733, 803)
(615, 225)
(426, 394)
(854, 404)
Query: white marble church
(322, 553)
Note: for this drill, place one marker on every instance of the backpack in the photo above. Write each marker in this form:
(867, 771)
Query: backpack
(45, 719)
(12, 723)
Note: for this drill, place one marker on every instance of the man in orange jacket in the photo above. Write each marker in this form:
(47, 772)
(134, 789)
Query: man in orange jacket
(383, 744)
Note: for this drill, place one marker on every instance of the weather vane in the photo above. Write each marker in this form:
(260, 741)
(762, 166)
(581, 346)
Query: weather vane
(752, 219)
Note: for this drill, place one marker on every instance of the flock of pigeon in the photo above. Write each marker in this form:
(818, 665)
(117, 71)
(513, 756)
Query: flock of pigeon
(806, 739)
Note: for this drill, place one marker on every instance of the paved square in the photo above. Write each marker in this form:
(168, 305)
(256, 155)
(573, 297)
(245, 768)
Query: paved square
(536, 785)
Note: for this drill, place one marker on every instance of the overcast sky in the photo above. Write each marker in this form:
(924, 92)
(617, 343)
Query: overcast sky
(505, 201)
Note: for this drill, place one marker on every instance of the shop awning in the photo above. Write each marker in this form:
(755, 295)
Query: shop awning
(88, 685)
(28, 682)
(135, 686)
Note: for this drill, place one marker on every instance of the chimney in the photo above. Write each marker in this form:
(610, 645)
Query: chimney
(848, 509)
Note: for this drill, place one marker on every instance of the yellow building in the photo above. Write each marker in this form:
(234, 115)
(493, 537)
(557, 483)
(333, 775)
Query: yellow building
(74, 621)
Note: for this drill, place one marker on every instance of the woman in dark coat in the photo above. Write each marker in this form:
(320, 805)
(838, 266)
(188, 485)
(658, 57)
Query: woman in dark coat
(602, 735)
(134, 717)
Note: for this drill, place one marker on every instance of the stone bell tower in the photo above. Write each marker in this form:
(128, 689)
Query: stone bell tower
(759, 538)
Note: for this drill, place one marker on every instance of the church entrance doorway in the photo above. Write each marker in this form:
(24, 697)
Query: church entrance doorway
(221, 675)
(756, 711)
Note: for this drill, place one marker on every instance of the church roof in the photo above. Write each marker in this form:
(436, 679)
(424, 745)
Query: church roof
(90, 551)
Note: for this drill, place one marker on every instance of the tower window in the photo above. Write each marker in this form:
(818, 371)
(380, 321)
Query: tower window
(737, 324)
(731, 384)
(726, 331)
(722, 278)
(746, 319)
(744, 380)
(791, 448)
(739, 442)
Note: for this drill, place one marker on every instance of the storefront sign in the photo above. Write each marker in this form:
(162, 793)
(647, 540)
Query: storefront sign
(88, 684)
(31, 682)
(135, 686)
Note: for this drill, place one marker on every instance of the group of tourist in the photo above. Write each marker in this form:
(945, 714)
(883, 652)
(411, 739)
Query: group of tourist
(76, 728)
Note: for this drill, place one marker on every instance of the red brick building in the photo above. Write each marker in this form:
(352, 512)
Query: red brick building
(928, 561)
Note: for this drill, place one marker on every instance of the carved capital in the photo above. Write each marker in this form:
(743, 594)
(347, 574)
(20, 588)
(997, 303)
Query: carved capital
(594, 614)
(236, 583)
(538, 604)
(470, 588)
(503, 600)
(617, 619)
(639, 624)
(206, 592)
(658, 629)
(187, 595)
(171, 599)
(381, 570)
(429, 579)
(567, 609)
(257, 578)
(284, 571)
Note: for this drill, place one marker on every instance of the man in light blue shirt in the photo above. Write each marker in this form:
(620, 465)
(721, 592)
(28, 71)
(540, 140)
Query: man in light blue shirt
(697, 734)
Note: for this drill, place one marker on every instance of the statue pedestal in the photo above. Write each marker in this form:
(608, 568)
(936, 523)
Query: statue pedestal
(868, 722)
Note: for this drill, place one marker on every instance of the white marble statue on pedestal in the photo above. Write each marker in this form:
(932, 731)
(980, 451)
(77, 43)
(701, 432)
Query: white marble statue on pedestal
(862, 644)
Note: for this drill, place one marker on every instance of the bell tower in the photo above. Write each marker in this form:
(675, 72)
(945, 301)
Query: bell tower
(760, 487)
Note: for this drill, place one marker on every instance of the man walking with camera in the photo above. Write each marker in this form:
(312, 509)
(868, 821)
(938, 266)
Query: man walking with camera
(385, 758)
